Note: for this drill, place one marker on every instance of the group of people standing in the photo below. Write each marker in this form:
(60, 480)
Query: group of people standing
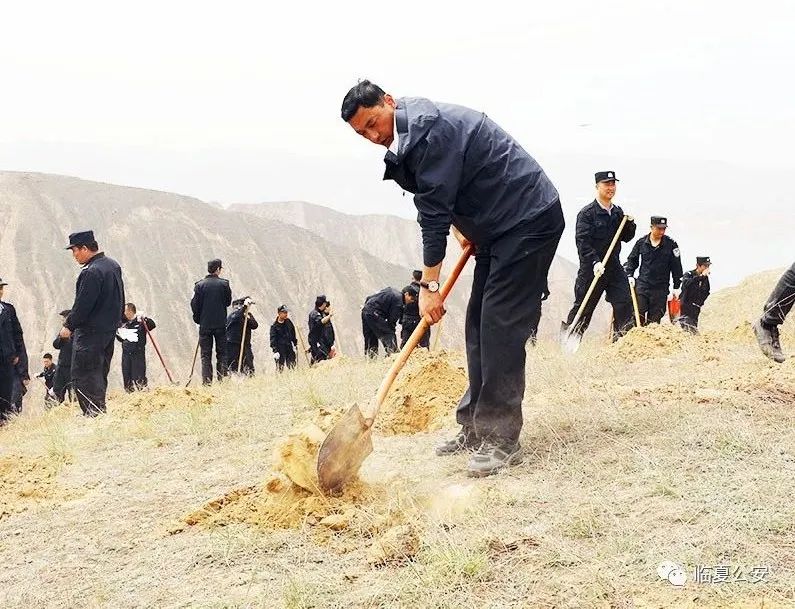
(656, 258)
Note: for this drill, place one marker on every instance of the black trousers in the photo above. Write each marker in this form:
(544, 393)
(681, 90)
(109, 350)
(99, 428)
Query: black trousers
(91, 356)
(779, 303)
(689, 321)
(7, 378)
(19, 392)
(374, 329)
(509, 278)
(407, 326)
(233, 357)
(535, 320)
(651, 305)
(615, 284)
(133, 370)
(62, 382)
(286, 357)
(206, 338)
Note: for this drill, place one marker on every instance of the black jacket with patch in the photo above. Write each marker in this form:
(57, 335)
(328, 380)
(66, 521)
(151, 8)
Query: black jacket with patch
(129, 346)
(387, 304)
(658, 265)
(595, 230)
(283, 336)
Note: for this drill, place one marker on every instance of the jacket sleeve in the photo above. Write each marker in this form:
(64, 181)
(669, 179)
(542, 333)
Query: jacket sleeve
(252, 323)
(19, 346)
(676, 266)
(631, 265)
(628, 234)
(196, 304)
(395, 310)
(687, 282)
(582, 236)
(88, 289)
(293, 337)
(438, 178)
(228, 294)
(57, 343)
(150, 323)
(273, 336)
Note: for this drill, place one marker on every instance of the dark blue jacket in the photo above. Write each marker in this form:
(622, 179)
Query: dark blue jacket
(99, 297)
(658, 265)
(463, 170)
(595, 230)
(387, 304)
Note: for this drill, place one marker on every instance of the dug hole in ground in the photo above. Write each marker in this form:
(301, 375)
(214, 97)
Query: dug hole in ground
(663, 447)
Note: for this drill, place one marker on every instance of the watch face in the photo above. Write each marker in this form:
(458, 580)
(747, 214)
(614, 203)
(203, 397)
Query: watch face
(433, 286)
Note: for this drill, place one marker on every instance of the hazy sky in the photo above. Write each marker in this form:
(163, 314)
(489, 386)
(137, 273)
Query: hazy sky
(239, 102)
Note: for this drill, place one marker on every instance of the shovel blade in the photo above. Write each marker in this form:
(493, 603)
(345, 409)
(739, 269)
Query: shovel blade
(570, 341)
(345, 448)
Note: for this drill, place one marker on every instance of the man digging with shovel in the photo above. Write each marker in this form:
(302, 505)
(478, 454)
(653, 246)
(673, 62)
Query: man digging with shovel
(467, 173)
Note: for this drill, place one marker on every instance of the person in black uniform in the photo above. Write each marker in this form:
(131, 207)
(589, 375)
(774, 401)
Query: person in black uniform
(467, 173)
(597, 224)
(695, 291)
(321, 330)
(211, 297)
(62, 384)
(13, 355)
(416, 279)
(132, 336)
(48, 375)
(411, 317)
(241, 308)
(283, 339)
(328, 339)
(776, 309)
(96, 314)
(660, 261)
(380, 315)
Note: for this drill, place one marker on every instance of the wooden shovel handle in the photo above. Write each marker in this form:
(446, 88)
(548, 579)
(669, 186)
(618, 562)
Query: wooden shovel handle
(415, 337)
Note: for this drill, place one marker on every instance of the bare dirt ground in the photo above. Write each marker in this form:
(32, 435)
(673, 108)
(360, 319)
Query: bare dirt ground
(664, 447)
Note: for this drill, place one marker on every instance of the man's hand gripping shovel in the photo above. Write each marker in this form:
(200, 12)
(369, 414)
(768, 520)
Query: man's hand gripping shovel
(350, 441)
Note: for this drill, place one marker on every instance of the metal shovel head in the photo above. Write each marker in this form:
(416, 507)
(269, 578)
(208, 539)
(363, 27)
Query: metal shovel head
(345, 448)
(570, 341)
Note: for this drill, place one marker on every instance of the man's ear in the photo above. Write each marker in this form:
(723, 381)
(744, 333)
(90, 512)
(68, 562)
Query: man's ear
(389, 100)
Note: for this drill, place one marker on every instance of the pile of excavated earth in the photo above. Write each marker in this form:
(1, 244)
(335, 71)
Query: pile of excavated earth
(289, 497)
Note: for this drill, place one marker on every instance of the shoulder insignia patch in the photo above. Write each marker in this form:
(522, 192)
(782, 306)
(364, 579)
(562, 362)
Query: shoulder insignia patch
(676, 252)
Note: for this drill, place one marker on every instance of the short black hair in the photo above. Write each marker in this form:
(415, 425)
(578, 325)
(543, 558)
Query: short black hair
(362, 94)
(93, 246)
(131, 306)
(417, 275)
(214, 264)
(47, 356)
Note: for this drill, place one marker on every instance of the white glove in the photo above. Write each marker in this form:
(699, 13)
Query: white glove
(276, 355)
(248, 302)
(140, 317)
(631, 281)
(128, 334)
(676, 292)
(598, 269)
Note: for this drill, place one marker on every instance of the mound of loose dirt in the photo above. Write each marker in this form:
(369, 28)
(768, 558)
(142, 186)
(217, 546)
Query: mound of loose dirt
(161, 398)
(25, 480)
(649, 342)
(420, 400)
(291, 498)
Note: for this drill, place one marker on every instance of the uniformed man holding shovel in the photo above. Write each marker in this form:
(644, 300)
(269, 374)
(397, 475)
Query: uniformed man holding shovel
(597, 224)
(468, 173)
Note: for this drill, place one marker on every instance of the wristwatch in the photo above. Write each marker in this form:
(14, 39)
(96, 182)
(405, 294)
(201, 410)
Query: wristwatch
(431, 286)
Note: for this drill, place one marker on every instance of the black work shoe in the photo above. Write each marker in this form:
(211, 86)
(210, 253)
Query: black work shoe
(491, 457)
(768, 340)
(463, 441)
